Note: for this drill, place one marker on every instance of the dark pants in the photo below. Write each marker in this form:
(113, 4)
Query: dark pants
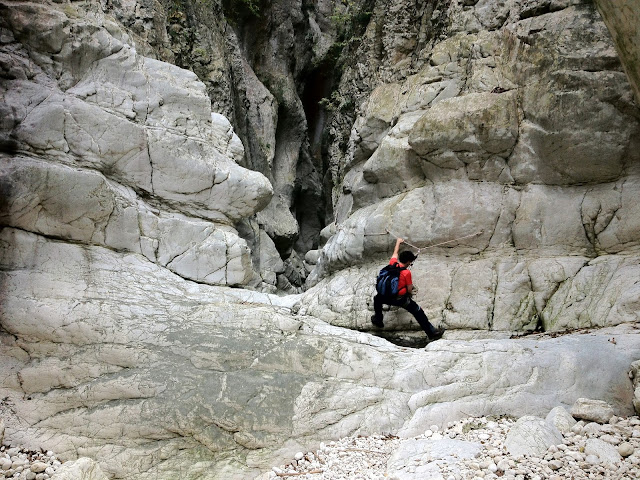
(409, 305)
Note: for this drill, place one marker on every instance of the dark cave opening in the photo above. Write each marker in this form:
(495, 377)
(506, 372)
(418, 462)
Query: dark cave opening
(310, 195)
(317, 86)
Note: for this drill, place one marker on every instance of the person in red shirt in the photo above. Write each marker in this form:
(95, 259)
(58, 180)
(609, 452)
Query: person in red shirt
(403, 299)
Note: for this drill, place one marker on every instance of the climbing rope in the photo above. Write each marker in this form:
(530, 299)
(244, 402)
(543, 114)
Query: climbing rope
(437, 244)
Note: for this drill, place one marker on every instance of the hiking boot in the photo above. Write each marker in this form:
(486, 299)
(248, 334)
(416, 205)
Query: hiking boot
(376, 322)
(437, 335)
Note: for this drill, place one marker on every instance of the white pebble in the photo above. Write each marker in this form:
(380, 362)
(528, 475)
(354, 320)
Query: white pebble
(592, 459)
(555, 464)
(577, 429)
(299, 456)
(592, 429)
(38, 467)
(625, 449)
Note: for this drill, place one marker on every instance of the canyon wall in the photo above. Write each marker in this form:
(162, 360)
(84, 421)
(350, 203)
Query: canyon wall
(515, 131)
(144, 205)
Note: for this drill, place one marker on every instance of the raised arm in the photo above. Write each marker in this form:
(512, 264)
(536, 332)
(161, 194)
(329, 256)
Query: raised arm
(396, 250)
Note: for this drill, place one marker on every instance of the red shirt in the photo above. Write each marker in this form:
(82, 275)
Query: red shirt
(405, 278)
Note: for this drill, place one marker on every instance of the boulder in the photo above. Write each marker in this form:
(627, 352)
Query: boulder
(368, 131)
(531, 435)
(561, 419)
(467, 129)
(592, 410)
(429, 454)
(606, 452)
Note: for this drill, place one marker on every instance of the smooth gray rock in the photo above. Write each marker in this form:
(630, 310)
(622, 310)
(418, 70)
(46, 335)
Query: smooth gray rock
(561, 419)
(592, 410)
(428, 454)
(122, 191)
(606, 452)
(531, 435)
(130, 161)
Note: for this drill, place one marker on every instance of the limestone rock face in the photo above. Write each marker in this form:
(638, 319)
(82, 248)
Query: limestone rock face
(128, 161)
(81, 469)
(505, 151)
(123, 198)
(110, 356)
(265, 69)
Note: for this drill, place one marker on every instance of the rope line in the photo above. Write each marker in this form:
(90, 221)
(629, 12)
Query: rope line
(437, 244)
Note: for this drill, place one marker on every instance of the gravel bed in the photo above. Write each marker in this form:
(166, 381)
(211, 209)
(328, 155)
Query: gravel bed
(27, 465)
(365, 458)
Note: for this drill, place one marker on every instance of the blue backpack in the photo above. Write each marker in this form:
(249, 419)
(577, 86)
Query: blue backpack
(387, 281)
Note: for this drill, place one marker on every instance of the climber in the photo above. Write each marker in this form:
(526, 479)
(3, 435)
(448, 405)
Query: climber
(403, 299)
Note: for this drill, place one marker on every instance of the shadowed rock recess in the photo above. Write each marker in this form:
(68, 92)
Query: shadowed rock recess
(194, 200)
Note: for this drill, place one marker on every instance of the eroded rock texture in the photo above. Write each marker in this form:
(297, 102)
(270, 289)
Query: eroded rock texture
(265, 65)
(514, 130)
(110, 356)
(510, 124)
(106, 147)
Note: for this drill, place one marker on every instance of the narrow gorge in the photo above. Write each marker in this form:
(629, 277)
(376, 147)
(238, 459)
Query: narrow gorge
(197, 195)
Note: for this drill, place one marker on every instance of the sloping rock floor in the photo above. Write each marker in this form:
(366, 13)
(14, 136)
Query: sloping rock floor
(480, 454)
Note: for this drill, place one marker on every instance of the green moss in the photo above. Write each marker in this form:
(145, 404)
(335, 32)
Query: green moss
(348, 19)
